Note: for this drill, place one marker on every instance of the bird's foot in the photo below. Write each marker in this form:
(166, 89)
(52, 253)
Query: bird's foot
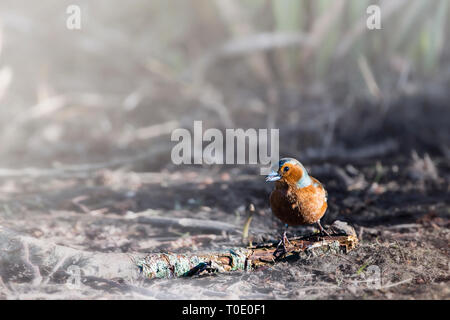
(322, 229)
(281, 247)
(280, 250)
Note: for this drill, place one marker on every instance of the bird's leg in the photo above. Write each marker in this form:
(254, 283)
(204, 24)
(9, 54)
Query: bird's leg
(283, 241)
(285, 238)
(322, 230)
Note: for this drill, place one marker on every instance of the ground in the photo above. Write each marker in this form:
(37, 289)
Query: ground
(399, 210)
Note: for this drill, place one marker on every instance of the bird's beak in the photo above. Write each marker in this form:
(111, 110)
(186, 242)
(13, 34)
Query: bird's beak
(273, 176)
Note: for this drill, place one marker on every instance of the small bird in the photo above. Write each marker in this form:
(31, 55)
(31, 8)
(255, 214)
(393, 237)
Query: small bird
(298, 198)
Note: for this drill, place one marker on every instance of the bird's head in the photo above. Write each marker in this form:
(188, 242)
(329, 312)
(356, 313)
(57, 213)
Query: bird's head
(290, 171)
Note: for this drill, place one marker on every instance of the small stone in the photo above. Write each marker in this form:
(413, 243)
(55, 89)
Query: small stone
(341, 226)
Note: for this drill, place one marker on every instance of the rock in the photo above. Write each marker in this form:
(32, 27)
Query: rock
(343, 227)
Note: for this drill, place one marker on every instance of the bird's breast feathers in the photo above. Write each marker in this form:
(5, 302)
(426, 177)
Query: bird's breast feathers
(297, 206)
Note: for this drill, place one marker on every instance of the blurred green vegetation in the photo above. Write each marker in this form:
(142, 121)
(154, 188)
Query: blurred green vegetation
(415, 30)
(412, 38)
(251, 63)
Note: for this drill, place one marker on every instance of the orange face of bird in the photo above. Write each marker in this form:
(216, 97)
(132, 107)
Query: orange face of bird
(290, 171)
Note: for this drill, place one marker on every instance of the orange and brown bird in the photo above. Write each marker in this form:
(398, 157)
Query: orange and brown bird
(298, 198)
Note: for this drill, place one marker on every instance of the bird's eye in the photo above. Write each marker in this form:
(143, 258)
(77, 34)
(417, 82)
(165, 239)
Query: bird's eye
(286, 169)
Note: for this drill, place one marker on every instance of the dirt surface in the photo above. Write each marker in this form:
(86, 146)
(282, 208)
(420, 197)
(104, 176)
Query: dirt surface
(400, 212)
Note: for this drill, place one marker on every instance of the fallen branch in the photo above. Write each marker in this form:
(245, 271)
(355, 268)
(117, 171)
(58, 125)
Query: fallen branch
(390, 285)
(202, 224)
(84, 170)
(170, 265)
(25, 258)
(342, 153)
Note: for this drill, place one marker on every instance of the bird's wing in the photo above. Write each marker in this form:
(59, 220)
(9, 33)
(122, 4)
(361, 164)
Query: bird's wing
(321, 186)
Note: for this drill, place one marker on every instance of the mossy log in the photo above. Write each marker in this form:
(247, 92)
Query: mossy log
(169, 265)
(27, 259)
